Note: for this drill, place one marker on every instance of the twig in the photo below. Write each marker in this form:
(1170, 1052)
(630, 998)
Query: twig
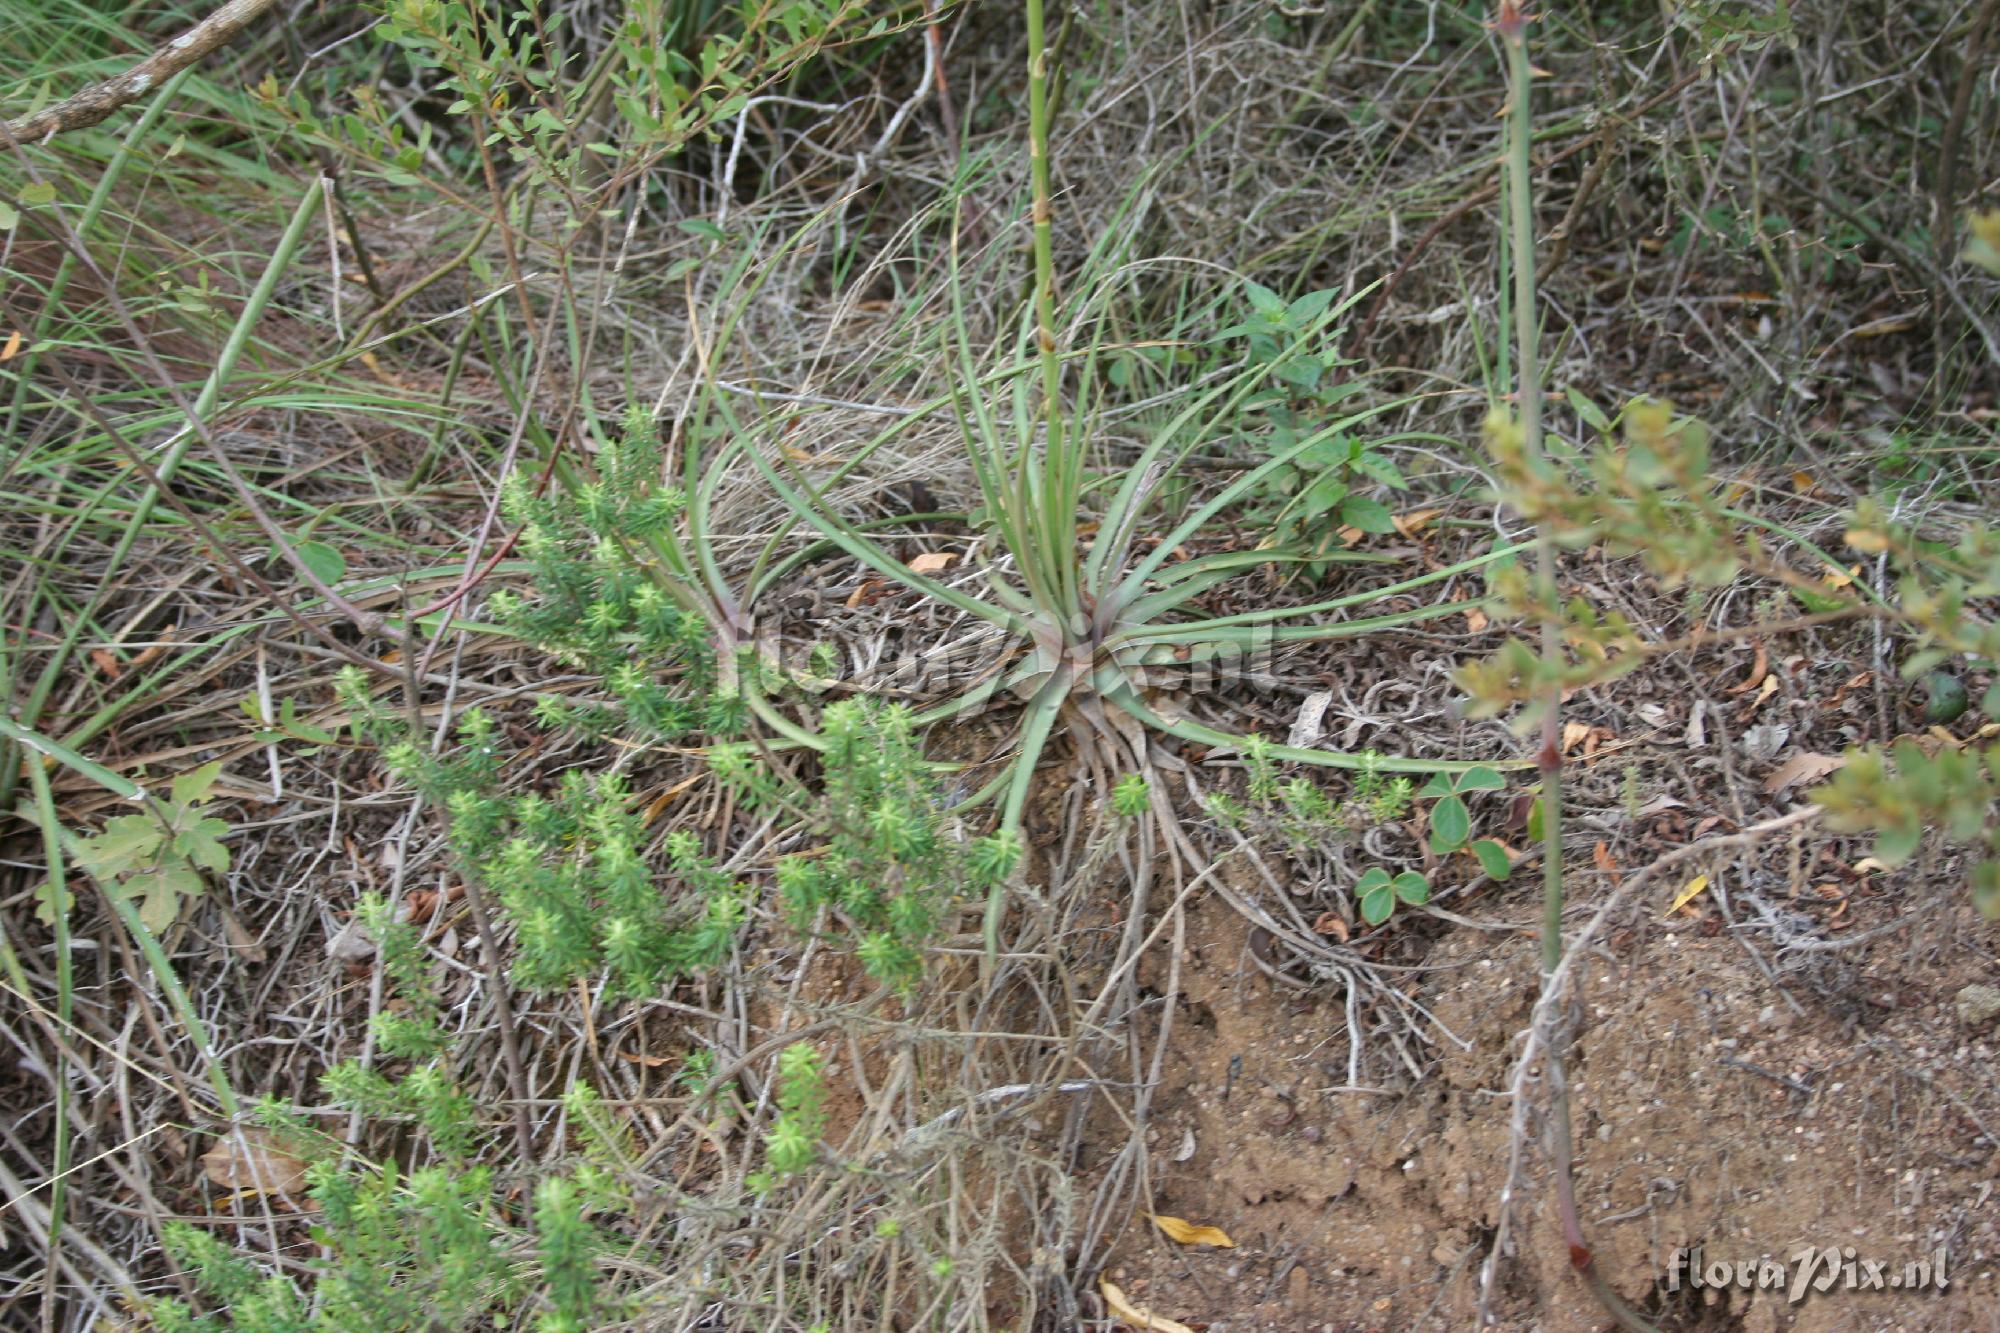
(1771, 1074)
(887, 139)
(934, 39)
(1511, 26)
(1921, 264)
(922, 1136)
(96, 104)
(1546, 1015)
(503, 1009)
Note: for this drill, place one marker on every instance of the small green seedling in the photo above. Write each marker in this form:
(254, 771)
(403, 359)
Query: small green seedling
(157, 859)
(1380, 892)
(1312, 500)
(792, 1145)
(1130, 796)
(286, 726)
(1451, 820)
(1385, 799)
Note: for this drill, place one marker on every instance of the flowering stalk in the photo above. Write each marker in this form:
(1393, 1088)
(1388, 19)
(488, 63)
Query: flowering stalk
(1511, 25)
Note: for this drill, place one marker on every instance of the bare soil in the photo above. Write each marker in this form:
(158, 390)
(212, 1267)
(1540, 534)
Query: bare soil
(1712, 1107)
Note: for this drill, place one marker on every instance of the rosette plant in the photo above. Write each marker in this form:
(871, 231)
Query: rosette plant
(1089, 599)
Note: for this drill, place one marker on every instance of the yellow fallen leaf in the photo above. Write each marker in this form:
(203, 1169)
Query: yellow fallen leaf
(666, 798)
(1127, 1313)
(1836, 577)
(1869, 863)
(932, 562)
(1190, 1233)
(1688, 894)
(1882, 328)
(13, 347)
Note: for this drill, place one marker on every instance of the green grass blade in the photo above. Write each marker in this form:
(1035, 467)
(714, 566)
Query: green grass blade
(112, 782)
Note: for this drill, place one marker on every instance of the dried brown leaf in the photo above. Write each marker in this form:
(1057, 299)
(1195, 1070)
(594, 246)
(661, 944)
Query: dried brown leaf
(249, 1160)
(1758, 670)
(242, 941)
(646, 1061)
(1331, 923)
(1808, 766)
(1415, 521)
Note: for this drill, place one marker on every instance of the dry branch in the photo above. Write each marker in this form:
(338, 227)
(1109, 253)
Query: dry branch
(96, 103)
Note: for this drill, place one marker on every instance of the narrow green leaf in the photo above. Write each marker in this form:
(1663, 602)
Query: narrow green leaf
(62, 754)
(1918, 663)
(1593, 416)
